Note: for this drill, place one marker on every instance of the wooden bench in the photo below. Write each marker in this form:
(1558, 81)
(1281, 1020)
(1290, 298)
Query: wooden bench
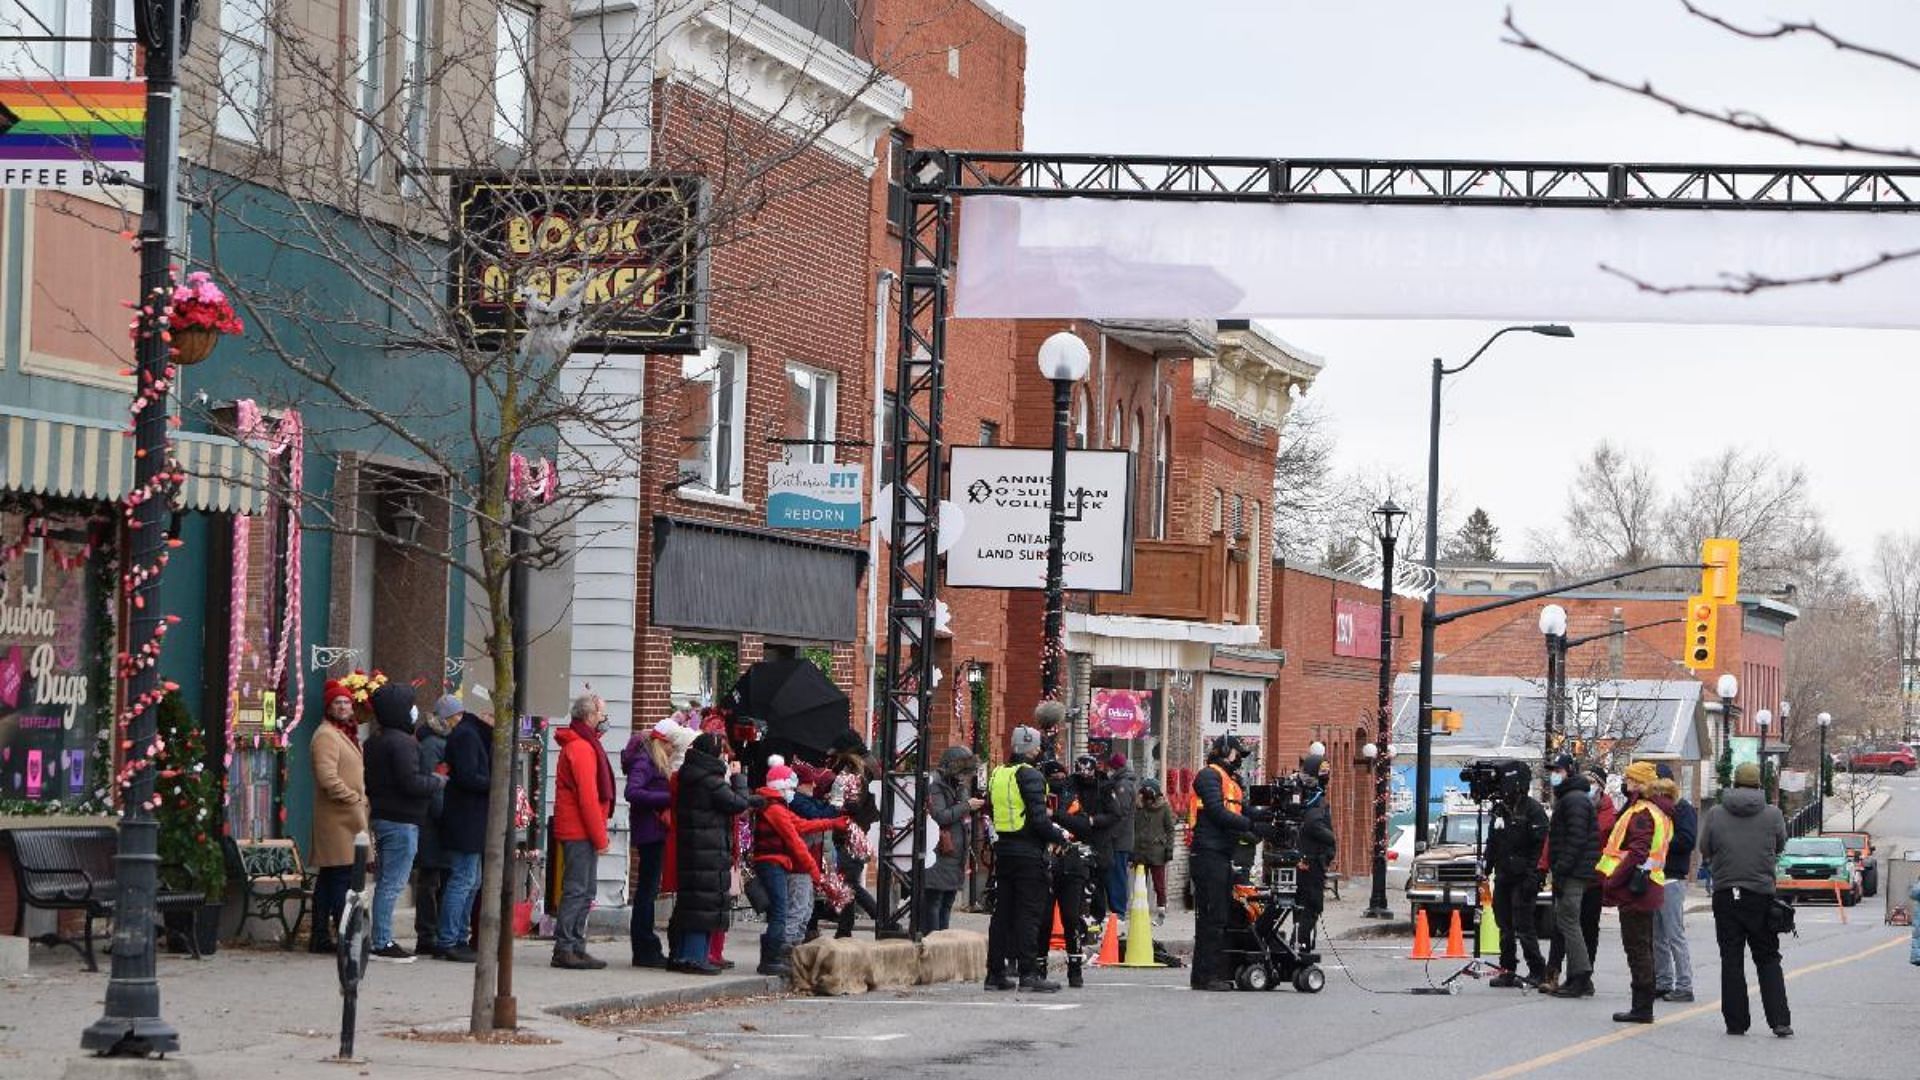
(71, 868)
(270, 877)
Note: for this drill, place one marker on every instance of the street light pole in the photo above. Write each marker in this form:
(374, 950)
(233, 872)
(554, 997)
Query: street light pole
(1820, 777)
(1553, 625)
(1386, 530)
(1064, 359)
(1728, 688)
(1762, 722)
(1429, 609)
(131, 1025)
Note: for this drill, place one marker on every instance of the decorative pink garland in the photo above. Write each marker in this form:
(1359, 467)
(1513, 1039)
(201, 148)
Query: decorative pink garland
(37, 527)
(287, 437)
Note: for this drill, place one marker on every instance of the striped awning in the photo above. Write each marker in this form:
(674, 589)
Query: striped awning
(87, 459)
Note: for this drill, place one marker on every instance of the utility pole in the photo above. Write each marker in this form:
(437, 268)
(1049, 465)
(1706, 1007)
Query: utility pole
(131, 1025)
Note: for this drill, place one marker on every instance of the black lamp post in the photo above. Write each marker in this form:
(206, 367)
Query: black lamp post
(1063, 361)
(131, 1025)
(1763, 722)
(1386, 529)
(1728, 688)
(1553, 625)
(1423, 766)
(1826, 765)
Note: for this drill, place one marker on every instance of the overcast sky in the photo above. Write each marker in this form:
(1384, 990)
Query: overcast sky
(1418, 78)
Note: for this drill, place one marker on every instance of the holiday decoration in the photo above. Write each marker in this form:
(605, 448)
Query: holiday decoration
(363, 684)
(188, 794)
(535, 481)
(199, 315)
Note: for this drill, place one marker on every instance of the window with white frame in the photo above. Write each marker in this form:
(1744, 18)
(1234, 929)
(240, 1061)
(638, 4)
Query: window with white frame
(713, 420)
(416, 44)
(370, 78)
(512, 85)
(246, 88)
(811, 408)
(1080, 421)
(1161, 449)
(1117, 429)
(102, 29)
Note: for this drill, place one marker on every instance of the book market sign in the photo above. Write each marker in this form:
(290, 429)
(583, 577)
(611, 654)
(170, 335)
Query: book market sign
(71, 133)
(1005, 492)
(632, 237)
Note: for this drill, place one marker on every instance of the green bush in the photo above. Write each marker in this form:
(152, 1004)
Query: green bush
(191, 856)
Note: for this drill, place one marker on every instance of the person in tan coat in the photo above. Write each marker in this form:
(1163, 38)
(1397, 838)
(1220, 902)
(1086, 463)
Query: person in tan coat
(339, 809)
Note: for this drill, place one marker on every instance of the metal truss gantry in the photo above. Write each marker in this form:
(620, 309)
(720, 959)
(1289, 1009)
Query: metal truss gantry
(937, 178)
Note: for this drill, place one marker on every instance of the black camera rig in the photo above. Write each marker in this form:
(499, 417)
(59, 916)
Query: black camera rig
(1497, 780)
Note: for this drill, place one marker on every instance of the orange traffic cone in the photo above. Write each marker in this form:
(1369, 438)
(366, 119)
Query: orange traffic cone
(1058, 942)
(1456, 938)
(1422, 937)
(1109, 942)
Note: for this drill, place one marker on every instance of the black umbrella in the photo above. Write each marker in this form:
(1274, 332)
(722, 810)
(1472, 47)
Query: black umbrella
(802, 710)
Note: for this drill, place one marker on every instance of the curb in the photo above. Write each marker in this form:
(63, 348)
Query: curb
(718, 990)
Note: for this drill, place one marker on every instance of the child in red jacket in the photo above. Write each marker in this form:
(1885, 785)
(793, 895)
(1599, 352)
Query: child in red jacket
(785, 866)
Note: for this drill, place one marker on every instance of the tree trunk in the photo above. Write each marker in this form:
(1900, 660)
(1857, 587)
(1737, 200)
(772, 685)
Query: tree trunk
(506, 728)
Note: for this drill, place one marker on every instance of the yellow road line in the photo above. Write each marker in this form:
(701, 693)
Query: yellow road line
(1680, 1017)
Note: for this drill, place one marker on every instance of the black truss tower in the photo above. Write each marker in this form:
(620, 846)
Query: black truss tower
(936, 178)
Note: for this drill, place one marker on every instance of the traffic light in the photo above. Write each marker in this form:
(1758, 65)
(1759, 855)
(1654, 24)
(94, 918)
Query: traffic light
(1447, 722)
(1720, 581)
(1703, 617)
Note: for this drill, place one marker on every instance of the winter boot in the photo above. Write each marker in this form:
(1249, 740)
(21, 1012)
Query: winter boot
(1074, 978)
(1038, 984)
(1576, 986)
(771, 962)
(1642, 1011)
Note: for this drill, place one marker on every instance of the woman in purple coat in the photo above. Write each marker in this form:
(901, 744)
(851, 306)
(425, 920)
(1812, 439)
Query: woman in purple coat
(645, 761)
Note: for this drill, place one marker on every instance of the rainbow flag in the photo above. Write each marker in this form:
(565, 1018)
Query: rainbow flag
(69, 125)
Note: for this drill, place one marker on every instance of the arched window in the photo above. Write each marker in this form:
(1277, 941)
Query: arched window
(1143, 496)
(1080, 420)
(1117, 432)
(1162, 449)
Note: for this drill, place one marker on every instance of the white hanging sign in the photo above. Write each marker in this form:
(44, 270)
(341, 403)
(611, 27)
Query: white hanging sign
(1005, 494)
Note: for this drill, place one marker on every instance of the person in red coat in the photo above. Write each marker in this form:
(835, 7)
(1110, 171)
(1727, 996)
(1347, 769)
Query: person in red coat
(1632, 868)
(582, 803)
(785, 865)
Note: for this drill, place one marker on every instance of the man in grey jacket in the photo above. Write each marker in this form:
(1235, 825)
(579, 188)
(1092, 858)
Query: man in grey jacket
(1740, 841)
(1126, 795)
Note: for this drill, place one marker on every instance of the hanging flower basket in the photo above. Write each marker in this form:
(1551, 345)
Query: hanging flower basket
(199, 315)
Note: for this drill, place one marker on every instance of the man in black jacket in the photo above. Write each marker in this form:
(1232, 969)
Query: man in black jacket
(1074, 868)
(1219, 823)
(1573, 846)
(399, 793)
(463, 823)
(1317, 844)
(1099, 818)
(1513, 852)
(1017, 806)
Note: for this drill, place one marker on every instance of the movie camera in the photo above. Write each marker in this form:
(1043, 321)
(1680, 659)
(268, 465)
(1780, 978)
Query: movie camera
(1496, 781)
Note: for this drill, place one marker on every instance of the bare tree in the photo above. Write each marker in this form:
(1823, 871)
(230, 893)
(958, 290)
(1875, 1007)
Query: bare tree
(1750, 496)
(1612, 516)
(1896, 578)
(1305, 497)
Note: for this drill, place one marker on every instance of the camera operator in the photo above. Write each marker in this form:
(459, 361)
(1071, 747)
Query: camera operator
(1513, 854)
(1074, 868)
(1317, 843)
(1017, 798)
(1094, 793)
(1219, 825)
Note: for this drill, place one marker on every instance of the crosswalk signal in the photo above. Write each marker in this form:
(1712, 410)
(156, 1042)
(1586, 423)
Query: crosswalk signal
(1702, 620)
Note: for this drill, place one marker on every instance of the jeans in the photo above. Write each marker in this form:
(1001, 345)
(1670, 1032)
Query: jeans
(937, 911)
(1913, 951)
(429, 892)
(1672, 964)
(1569, 901)
(1019, 914)
(648, 859)
(1514, 897)
(578, 877)
(692, 948)
(397, 845)
(329, 901)
(1739, 927)
(456, 905)
(799, 907)
(1212, 874)
(1118, 876)
(775, 878)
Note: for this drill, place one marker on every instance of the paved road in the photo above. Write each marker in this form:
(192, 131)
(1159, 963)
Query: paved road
(1853, 992)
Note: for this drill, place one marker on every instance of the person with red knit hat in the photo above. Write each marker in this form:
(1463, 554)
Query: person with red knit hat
(785, 865)
(339, 808)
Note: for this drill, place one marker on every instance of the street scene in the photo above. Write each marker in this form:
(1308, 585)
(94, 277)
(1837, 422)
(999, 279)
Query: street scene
(803, 538)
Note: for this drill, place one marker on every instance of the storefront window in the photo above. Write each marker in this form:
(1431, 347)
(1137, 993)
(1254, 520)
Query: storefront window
(53, 670)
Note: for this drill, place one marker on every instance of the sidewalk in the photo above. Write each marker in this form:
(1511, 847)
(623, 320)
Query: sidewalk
(262, 1012)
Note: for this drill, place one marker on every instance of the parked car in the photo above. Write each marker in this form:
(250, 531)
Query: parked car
(1811, 867)
(1895, 758)
(1865, 866)
(1445, 878)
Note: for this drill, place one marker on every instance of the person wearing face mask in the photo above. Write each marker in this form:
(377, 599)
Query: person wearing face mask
(582, 803)
(1153, 842)
(785, 865)
(1317, 844)
(1632, 871)
(401, 794)
(1573, 846)
(1219, 823)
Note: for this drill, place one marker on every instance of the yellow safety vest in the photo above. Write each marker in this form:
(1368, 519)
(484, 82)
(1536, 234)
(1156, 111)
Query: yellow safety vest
(1230, 795)
(1616, 848)
(1003, 793)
